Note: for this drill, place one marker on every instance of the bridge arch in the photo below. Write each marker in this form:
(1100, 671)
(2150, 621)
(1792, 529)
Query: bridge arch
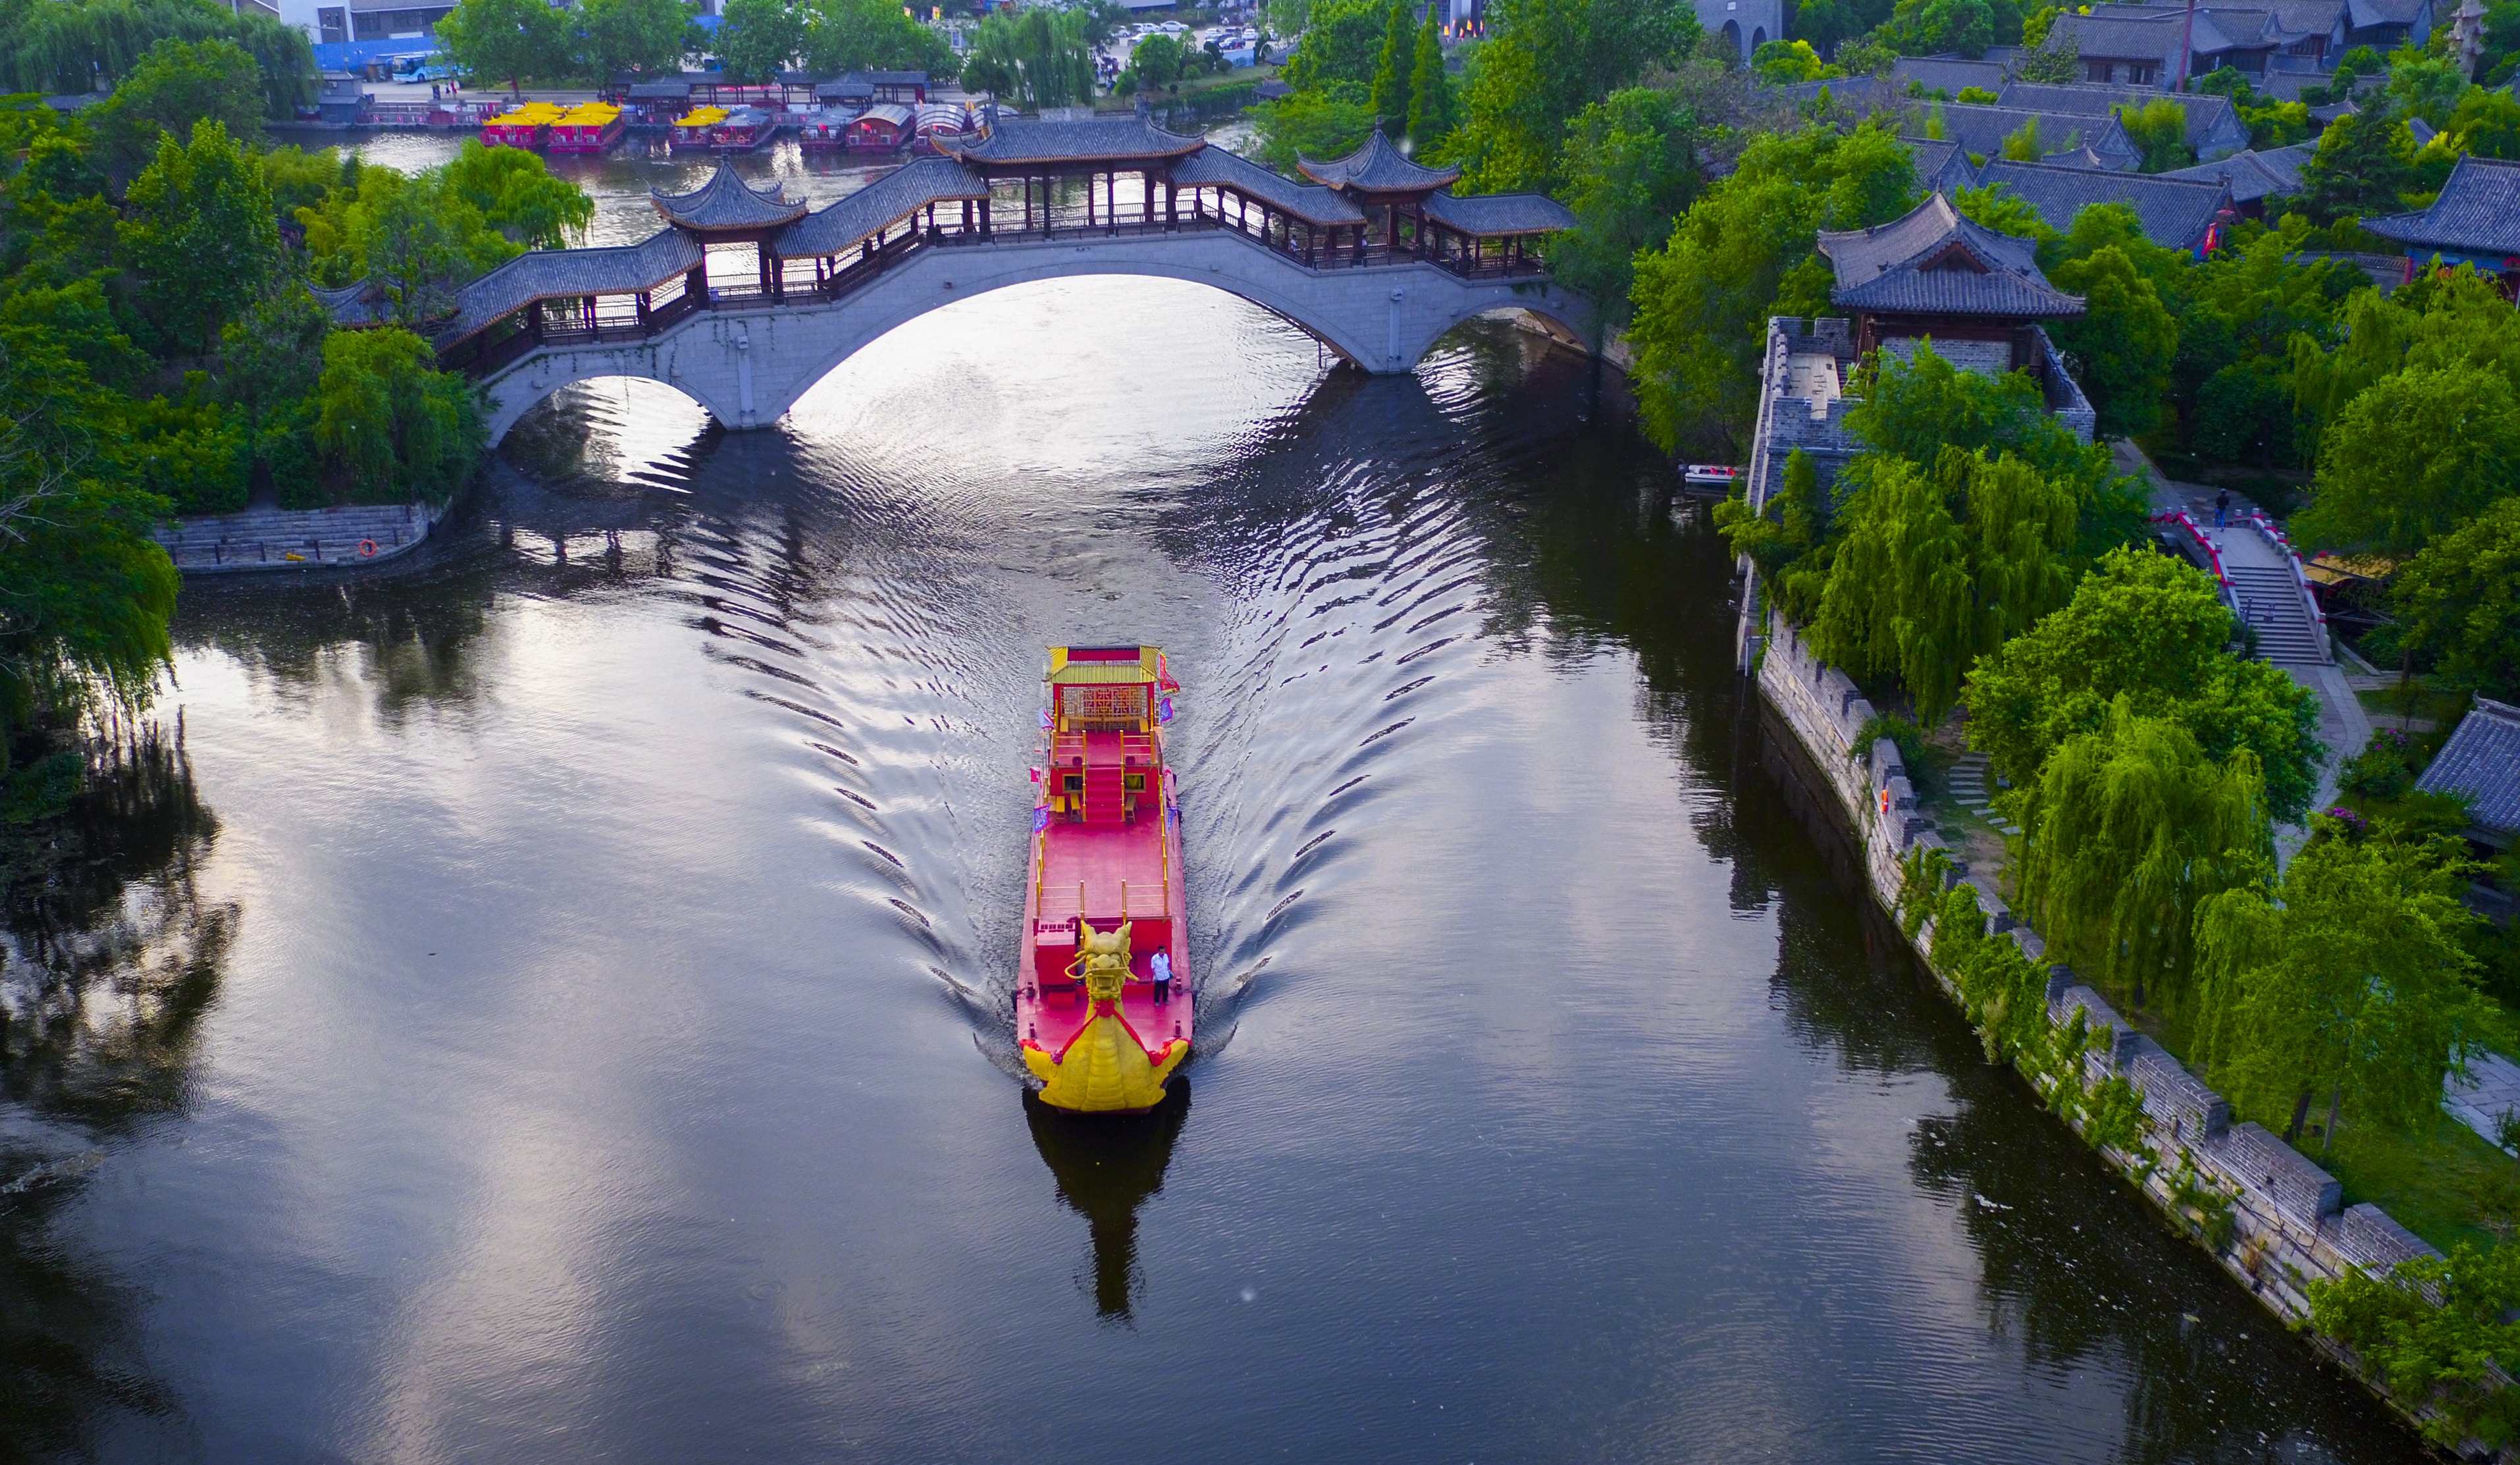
(748, 367)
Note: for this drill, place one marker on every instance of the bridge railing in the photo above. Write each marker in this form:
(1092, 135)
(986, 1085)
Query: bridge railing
(609, 318)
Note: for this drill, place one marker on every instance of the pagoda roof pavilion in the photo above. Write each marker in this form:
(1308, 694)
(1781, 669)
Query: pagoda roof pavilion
(726, 206)
(1937, 263)
(1105, 142)
(1376, 168)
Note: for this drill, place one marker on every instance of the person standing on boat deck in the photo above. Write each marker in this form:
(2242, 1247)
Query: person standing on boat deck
(1161, 969)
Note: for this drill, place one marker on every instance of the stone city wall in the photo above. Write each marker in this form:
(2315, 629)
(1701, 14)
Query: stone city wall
(2287, 1227)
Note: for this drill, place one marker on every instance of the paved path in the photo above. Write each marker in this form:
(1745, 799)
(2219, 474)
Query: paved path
(2263, 583)
(1970, 783)
(2491, 1092)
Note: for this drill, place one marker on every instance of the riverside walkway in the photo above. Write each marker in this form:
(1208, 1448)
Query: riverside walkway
(745, 300)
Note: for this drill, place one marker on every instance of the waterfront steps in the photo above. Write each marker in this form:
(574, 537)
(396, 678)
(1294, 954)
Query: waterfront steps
(260, 538)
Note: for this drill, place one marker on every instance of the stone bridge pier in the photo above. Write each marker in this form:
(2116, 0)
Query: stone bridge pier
(748, 364)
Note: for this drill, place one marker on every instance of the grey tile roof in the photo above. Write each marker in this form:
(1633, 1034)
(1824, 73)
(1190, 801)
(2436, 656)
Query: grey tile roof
(727, 202)
(1497, 214)
(561, 274)
(1102, 139)
(886, 201)
(2481, 760)
(2254, 175)
(2478, 212)
(846, 89)
(661, 91)
(2111, 37)
(1936, 262)
(1941, 165)
(1982, 130)
(351, 306)
(2221, 31)
(1376, 167)
(2212, 121)
(2176, 211)
(2304, 18)
(1215, 168)
(2079, 157)
(2368, 12)
(1947, 73)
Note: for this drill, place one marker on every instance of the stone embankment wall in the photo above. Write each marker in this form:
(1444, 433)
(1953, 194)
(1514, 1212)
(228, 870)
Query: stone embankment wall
(2271, 1216)
(296, 539)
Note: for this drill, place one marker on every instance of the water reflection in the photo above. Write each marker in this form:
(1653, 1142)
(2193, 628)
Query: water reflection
(107, 963)
(1107, 1167)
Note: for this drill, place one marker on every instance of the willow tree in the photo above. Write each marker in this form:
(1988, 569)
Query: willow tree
(2126, 833)
(1937, 569)
(2355, 984)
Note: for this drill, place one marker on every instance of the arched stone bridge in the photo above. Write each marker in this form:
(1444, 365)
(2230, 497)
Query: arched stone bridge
(1371, 261)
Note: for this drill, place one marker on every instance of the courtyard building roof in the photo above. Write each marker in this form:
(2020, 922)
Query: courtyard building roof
(2175, 212)
(1936, 261)
(2477, 212)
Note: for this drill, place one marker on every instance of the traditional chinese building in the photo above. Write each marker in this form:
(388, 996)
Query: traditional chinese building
(727, 210)
(2474, 220)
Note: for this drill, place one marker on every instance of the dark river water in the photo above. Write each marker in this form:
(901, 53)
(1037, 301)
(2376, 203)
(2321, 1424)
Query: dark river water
(555, 1006)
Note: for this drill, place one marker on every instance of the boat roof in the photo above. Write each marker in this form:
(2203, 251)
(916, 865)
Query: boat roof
(1072, 666)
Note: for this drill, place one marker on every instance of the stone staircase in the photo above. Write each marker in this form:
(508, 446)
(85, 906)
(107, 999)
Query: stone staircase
(2271, 600)
(1972, 783)
(260, 538)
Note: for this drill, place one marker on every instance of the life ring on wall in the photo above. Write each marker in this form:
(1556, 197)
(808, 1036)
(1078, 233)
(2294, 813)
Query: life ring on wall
(367, 549)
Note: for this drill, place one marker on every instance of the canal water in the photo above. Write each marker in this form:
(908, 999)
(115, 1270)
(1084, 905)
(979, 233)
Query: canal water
(550, 1002)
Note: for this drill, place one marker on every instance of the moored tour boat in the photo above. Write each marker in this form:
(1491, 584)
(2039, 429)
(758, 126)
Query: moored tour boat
(695, 127)
(588, 127)
(1102, 994)
(526, 125)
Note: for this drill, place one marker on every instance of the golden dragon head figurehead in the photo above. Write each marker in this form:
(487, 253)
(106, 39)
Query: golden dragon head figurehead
(1105, 955)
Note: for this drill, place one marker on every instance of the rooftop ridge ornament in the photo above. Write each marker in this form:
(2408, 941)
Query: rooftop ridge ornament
(726, 203)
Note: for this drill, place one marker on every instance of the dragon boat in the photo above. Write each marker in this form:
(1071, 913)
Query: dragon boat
(1102, 997)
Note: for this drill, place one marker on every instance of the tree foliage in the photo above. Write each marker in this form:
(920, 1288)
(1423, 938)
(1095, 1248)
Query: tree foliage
(1432, 109)
(175, 86)
(508, 40)
(1630, 168)
(2149, 630)
(1394, 67)
(1342, 44)
(2365, 159)
(2437, 1330)
(873, 35)
(2350, 982)
(2413, 455)
(2459, 603)
(71, 46)
(403, 429)
(646, 37)
(1542, 62)
(2159, 131)
(2128, 829)
(2123, 345)
(1038, 56)
(202, 234)
(1742, 252)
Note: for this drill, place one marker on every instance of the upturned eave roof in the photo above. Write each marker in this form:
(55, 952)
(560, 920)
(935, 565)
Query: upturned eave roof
(1102, 140)
(1376, 167)
(2477, 212)
(727, 203)
(1936, 261)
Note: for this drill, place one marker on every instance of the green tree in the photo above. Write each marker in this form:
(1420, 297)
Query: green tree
(1542, 62)
(644, 37)
(89, 592)
(1431, 111)
(1631, 167)
(1742, 252)
(1787, 543)
(2052, 62)
(2441, 1332)
(1039, 57)
(506, 40)
(1936, 569)
(517, 196)
(2413, 456)
(2148, 628)
(873, 35)
(393, 426)
(1913, 409)
(1331, 121)
(2352, 984)
(201, 233)
(2365, 161)
(2123, 345)
(2425, 86)
(1342, 44)
(2459, 602)
(2487, 124)
(176, 85)
(1929, 28)
(2159, 131)
(1157, 61)
(82, 45)
(270, 356)
(2128, 830)
(1391, 73)
(1783, 63)
(2026, 144)
(760, 38)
